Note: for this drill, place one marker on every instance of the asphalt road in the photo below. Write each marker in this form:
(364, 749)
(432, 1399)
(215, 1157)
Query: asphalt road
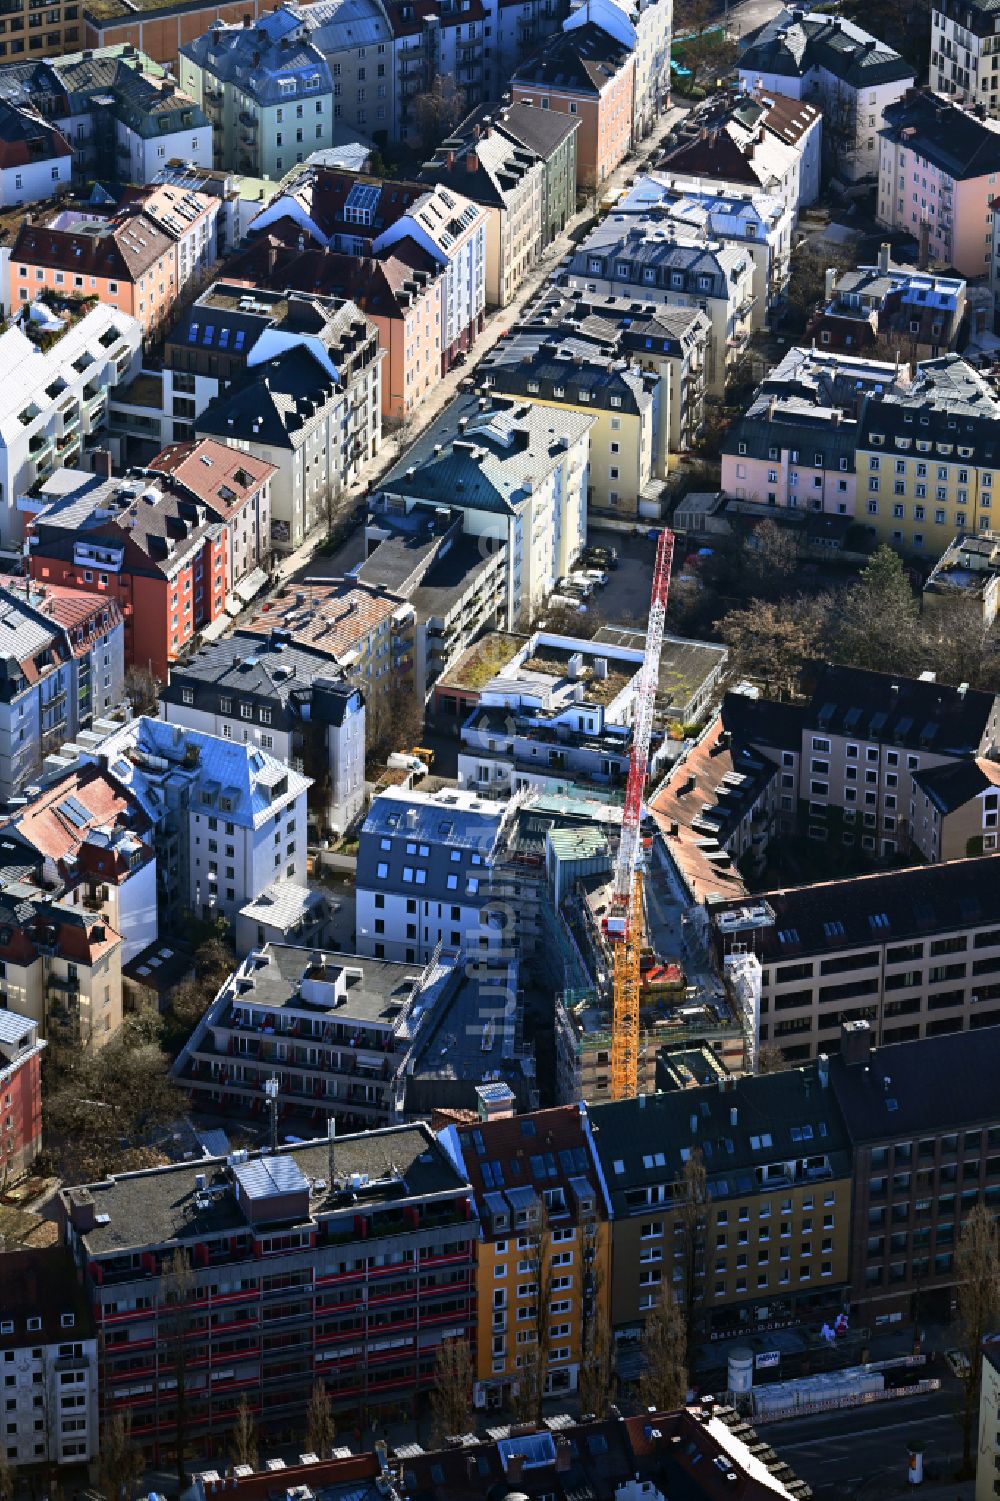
(860, 1453)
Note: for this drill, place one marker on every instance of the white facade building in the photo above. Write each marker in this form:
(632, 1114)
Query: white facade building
(519, 475)
(231, 819)
(51, 402)
(48, 1361)
(423, 875)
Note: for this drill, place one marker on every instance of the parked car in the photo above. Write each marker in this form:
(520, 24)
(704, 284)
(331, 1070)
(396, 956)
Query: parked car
(597, 576)
(957, 1362)
(569, 603)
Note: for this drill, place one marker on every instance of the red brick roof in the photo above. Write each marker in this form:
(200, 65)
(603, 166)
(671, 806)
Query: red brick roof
(57, 833)
(222, 477)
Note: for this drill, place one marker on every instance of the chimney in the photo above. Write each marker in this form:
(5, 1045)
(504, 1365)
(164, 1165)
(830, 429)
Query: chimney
(515, 1469)
(247, 22)
(471, 162)
(884, 253)
(823, 1070)
(451, 161)
(855, 1042)
(830, 281)
(100, 462)
(564, 1456)
(82, 1210)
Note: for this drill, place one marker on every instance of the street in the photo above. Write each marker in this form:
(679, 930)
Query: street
(861, 1452)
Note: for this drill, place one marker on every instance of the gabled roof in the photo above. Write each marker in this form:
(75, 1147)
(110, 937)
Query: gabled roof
(88, 801)
(544, 1150)
(584, 60)
(223, 477)
(276, 405)
(929, 1086)
(123, 247)
(542, 131)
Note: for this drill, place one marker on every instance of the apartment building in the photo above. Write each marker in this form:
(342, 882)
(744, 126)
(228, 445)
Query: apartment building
(622, 403)
(953, 809)
(919, 313)
(334, 1030)
(286, 698)
(161, 557)
(366, 633)
(88, 839)
(35, 157)
(267, 90)
(789, 451)
(682, 1452)
(369, 216)
(138, 259)
(937, 179)
(929, 456)
(21, 1094)
(48, 1354)
(399, 292)
(849, 757)
(760, 223)
(311, 406)
(424, 875)
(230, 819)
(587, 72)
(63, 666)
(666, 342)
(505, 178)
(62, 969)
(363, 1248)
(237, 488)
(519, 475)
(766, 1243)
(910, 951)
(965, 54)
(78, 93)
(456, 586)
(54, 395)
(556, 718)
(852, 75)
(550, 135)
(670, 265)
(543, 1264)
(923, 1125)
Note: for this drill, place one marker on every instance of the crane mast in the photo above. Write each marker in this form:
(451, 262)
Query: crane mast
(626, 897)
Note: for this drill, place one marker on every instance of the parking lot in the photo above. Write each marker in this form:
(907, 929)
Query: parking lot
(625, 598)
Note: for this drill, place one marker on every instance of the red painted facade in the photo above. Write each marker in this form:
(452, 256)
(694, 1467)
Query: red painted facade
(21, 1102)
(162, 614)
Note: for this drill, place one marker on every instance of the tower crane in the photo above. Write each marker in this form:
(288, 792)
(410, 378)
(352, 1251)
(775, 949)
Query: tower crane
(625, 922)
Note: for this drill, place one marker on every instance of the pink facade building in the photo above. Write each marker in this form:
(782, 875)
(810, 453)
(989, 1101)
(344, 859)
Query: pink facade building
(938, 174)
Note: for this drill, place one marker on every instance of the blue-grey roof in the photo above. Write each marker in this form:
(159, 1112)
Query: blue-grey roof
(270, 1177)
(272, 61)
(244, 775)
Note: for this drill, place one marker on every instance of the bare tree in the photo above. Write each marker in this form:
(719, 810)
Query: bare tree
(176, 1287)
(245, 1436)
(664, 1380)
(768, 557)
(597, 1378)
(321, 1430)
(770, 643)
(690, 1197)
(451, 1395)
(142, 689)
(535, 1359)
(770, 1059)
(121, 1461)
(977, 1273)
(438, 110)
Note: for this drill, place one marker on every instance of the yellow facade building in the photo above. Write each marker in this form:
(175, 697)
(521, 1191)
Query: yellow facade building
(543, 1274)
